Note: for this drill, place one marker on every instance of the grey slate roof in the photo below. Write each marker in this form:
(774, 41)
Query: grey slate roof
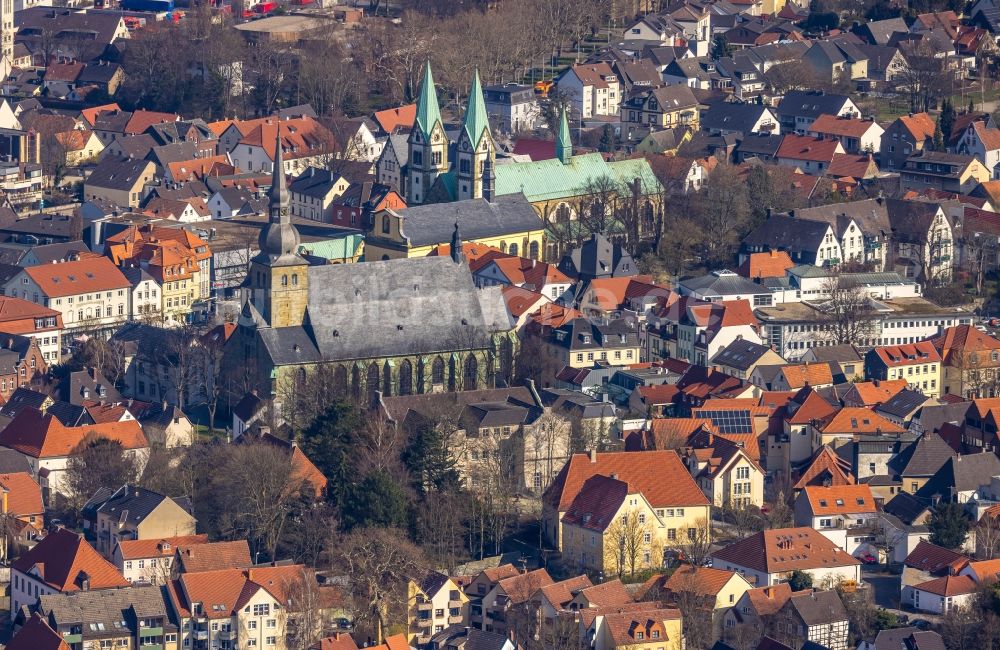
(819, 607)
(48, 253)
(404, 307)
(83, 385)
(12, 461)
(905, 507)
(903, 403)
(70, 415)
(842, 353)
(931, 418)
(598, 258)
(963, 473)
(113, 610)
(756, 144)
(881, 30)
(908, 638)
(924, 457)
(135, 503)
(782, 232)
(314, 182)
(728, 116)
(808, 103)
(117, 173)
(720, 284)
(740, 354)
(425, 225)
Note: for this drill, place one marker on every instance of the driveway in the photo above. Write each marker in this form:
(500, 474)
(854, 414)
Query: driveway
(885, 587)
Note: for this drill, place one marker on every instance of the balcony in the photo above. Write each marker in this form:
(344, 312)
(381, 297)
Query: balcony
(72, 638)
(454, 620)
(425, 607)
(227, 634)
(423, 622)
(455, 603)
(423, 639)
(151, 631)
(200, 635)
(150, 646)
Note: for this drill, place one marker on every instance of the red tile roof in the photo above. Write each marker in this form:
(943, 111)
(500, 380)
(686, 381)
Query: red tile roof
(560, 593)
(807, 374)
(806, 406)
(803, 147)
(932, 558)
(17, 316)
(37, 635)
(767, 601)
(90, 114)
(213, 556)
(132, 549)
(73, 278)
(224, 592)
(63, 559)
(523, 586)
(659, 475)
(520, 300)
(704, 581)
(856, 419)
(607, 594)
(143, 119)
(339, 641)
(920, 125)
(597, 502)
(393, 118)
(772, 264)
(873, 393)
(948, 586)
(840, 499)
(848, 166)
(826, 465)
(42, 436)
(785, 549)
(23, 494)
(957, 342)
(625, 627)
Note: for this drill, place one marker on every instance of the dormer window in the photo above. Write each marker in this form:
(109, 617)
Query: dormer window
(586, 338)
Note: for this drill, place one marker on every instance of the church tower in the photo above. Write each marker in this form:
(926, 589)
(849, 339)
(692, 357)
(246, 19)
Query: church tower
(476, 151)
(564, 144)
(278, 278)
(428, 143)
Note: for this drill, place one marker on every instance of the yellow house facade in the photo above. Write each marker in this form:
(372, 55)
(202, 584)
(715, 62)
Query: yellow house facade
(433, 603)
(654, 629)
(507, 222)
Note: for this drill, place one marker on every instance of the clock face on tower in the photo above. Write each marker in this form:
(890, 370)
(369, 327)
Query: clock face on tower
(283, 212)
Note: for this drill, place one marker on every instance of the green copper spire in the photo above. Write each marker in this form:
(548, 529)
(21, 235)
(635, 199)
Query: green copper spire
(564, 144)
(428, 113)
(476, 121)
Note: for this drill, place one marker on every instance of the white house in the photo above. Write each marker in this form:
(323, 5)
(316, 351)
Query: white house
(592, 88)
(149, 561)
(984, 144)
(770, 557)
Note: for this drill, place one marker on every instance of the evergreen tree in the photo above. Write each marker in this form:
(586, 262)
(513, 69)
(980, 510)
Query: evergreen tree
(949, 525)
(608, 141)
(378, 501)
(946, 120)
(937, 143)
(972, 106)
(329, 444)
(800, 580)
(428, 460)
(721, 47)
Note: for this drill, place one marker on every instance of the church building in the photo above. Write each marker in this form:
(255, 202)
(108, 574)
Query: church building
(401, 327)
(444, 167)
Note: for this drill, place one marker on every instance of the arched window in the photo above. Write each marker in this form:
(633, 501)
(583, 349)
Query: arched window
(452, 375)
(373, 382)
(506, 360)
(405, 378)
(562, 213)
(503, 246)
(512, 250)
(295, 279)
(437, 371)
(471, 379)
(284, 280)
(386, 225)
(300, 378)
(355, 382)
(387, 379)
(534, 250)
(340, 381)
(421, 370)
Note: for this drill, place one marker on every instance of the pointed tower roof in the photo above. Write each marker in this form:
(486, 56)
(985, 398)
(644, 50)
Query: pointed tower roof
(428, 113)
(457, 254)
(476, 119)
(564, 143)
(279, 240)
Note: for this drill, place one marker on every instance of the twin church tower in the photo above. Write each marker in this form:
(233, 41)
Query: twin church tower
(434, 176)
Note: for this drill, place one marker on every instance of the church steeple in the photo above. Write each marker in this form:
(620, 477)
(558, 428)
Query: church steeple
(278, 278)
(279, 240)
(457, 254)
(427, 144)
(564, 144)
(476, 151)
(428, 112)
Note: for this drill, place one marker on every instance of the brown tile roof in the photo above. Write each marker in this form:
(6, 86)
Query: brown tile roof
(873, 393)
(771, 264)
(767, 601)
(703, 581)
(143, 119)
(841, 126)
(659, 475)
(63, 559)
(806, 406)
(24, 496)
(224, 592)
(43, 436)
(840, 499)
(74, 140)
(560, 593)
(807, 374)
(985, 569)
(855, 419)
(523, 586)
(132, 549)
(37, 635)
(608, 594)
(948, 586)
(671, 433)
(826, 465)
(213, 556)
(785, 549)
(90, 114)
(920, 125)
(593, 74)
(961, 340)
(73, 278)
(848, 166)
(625, 627)
(498, 573)
(17, 315)
(932, 558)
(907, 354)
(339, 641)
(597, 502)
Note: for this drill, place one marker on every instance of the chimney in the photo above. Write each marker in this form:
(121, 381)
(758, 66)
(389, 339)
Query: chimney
(593, 455)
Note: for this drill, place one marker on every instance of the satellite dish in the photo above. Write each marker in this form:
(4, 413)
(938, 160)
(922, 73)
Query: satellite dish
(975, 496)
